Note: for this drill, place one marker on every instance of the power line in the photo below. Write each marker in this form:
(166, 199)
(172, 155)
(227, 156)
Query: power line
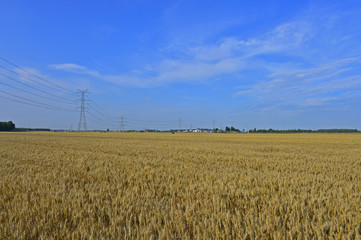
(91, 118)
(103, 120)
(101, 117)
(18, 101)
(34, 103)
(37, 85)
(140, 122)
(151, 121)
(152, 124)
(99, 112)
(29, 92)
(29, 79)
(37, 76)
(132, 125)
(37, 89)
(94, 105)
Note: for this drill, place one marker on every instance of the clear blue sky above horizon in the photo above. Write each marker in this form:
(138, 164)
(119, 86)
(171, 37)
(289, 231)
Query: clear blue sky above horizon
(263, 64)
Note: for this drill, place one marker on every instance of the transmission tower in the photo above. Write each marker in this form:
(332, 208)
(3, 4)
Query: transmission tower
(180, 123)
(121, 126)
(82, 120)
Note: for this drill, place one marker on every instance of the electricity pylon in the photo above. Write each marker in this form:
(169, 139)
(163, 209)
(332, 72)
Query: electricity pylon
(121, 125)
(82, 120)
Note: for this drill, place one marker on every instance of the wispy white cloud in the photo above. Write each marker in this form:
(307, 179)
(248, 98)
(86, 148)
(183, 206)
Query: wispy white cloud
(232, 55)
(310, 102)
(168, 72)
(202, 63)
(27, 74)
(307, 73)
(75, 68)
(306, 87)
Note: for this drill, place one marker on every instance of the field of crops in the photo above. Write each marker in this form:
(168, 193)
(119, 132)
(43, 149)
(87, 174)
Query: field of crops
(180, 186)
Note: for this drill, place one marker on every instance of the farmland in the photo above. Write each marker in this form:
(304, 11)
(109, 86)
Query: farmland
(180, 186)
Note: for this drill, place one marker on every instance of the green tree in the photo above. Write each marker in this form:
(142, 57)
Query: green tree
(7, 126)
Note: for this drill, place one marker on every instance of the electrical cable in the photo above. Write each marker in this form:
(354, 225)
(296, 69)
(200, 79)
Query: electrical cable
(35, 75)
(23, 90)
(95, 105)
(34, 103)
(34, 88)
(100, 119)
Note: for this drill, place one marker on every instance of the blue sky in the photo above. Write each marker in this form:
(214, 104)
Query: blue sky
(263, 64)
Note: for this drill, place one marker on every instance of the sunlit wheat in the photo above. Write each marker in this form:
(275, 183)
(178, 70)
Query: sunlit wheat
(180, 186)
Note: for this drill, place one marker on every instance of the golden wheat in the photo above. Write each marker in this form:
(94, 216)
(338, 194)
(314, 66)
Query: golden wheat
(180, 186)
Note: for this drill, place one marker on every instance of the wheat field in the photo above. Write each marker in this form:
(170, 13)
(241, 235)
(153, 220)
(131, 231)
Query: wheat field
(179, 186)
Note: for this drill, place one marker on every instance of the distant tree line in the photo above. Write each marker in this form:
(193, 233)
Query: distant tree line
(151, 130)
(303, 131)
(7, 126)
(32, 129)
(232, 129)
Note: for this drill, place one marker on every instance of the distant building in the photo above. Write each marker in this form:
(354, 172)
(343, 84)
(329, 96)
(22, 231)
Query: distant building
(201, 130)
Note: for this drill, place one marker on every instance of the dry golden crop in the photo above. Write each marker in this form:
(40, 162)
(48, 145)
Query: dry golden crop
(180, 186)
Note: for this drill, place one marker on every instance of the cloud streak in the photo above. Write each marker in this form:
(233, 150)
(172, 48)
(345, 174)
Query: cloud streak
(306, 87)
(202, 63)
(315, 85)
(75, 68)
